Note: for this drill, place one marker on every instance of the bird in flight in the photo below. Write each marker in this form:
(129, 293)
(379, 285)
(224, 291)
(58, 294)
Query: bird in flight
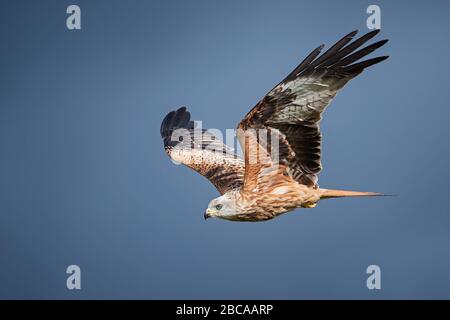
(280, 139)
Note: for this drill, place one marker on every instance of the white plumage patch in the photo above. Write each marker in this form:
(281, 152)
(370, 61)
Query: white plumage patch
(280, 190)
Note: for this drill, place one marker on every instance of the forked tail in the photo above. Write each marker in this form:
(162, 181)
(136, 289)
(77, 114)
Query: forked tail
(330, 193)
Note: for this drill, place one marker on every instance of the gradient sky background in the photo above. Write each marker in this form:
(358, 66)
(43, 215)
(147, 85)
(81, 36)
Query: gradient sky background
(84, 179)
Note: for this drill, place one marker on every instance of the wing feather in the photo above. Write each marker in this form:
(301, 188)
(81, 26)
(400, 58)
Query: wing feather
(294, 107)
(201, 150)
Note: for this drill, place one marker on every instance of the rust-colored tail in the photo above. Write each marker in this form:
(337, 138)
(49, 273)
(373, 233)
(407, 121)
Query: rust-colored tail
(330, 193)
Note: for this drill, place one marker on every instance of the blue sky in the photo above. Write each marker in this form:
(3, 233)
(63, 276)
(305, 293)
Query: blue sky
(85, 181)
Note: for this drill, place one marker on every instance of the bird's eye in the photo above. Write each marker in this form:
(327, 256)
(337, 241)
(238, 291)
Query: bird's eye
(219, 206)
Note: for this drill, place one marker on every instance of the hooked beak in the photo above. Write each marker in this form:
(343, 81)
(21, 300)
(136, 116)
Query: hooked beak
(208, 213)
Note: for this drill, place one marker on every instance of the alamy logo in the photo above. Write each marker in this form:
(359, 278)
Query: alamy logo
(374, 280)
(374, 20)
(261, 145)
(74, 280)
(73, 21)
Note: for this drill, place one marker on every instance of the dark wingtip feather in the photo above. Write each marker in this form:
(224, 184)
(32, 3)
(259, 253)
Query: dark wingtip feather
(341, 54)
(360, 66)
(334, 49)
(179, 118)
(355, 56)
(305, 63)
(166, 119)
(373, 33)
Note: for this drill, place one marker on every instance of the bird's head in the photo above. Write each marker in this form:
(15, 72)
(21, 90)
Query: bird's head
(223, 207)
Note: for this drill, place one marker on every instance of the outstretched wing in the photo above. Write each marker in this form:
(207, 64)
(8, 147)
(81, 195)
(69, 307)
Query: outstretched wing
(293, 109)
(201, 150)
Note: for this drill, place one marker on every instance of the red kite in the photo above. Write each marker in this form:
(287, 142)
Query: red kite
(271, 181)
